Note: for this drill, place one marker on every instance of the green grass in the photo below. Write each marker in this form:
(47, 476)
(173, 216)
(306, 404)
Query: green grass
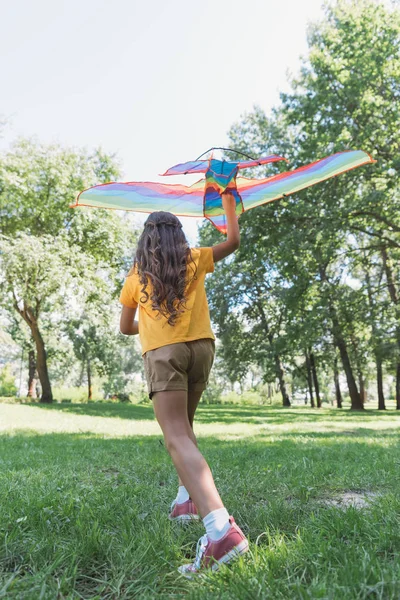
(85, 491)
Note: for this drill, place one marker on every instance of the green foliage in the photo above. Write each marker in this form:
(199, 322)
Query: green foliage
(77, 395)
(311, 272)
(317, 274)
(213, 393)
(249, 397)
(38, 272)
(138, 392)
(62, 269)
(38, 182)
(7, 382)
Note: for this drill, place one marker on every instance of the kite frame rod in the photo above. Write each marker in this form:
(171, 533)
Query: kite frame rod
(228, 149)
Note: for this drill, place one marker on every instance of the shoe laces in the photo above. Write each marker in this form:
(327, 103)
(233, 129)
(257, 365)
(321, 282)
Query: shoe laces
(200, 549)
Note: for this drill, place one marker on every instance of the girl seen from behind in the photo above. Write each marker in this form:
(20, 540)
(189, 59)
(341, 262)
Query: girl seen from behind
(166, 283)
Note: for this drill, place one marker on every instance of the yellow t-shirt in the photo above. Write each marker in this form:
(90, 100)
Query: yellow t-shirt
(193, 324)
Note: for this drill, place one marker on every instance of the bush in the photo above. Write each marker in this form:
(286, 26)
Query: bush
(251, 397)
(212, 394)
(10, 400)
(121, 397)
(7, 382)
(78, 395)
(138, 392)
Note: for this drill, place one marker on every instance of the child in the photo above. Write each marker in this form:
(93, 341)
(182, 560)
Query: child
(167, 283)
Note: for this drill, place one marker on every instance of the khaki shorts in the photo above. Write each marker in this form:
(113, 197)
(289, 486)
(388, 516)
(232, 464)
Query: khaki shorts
(182, 366)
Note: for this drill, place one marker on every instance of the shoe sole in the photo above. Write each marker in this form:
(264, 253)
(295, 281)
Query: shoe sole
(184, 518)
(236, 551)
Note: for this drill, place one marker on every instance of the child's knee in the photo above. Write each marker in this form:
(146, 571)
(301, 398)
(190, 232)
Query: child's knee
(176, 442)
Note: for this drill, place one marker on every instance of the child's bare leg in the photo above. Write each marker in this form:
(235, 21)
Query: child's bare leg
(193, 400)
(171, 412)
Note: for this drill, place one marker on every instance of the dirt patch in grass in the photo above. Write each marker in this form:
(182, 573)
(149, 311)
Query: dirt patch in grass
(355, 498)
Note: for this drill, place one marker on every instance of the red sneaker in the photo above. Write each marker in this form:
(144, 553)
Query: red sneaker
(186, 511)
(209, 554)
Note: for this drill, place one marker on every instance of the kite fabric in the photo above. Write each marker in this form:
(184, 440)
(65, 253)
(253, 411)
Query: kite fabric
(203, 198)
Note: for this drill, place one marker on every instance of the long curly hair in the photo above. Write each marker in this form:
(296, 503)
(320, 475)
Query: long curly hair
(162, 258)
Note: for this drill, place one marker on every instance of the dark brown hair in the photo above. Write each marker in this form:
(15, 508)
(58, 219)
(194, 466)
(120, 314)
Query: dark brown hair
(162, 257)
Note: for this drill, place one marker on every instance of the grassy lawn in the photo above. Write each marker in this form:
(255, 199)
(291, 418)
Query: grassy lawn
(85, 492)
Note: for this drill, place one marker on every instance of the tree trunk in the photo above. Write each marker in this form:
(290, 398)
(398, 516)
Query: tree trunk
(282, 383)
(356, 402)
(280, 372)
(252, 380)
(389, 275)
(337, 385)
(41, 363)
(379, 379)
(309, 380)
(376, 341)
(398, 387)
(395, 299)
(363, 390)
(31, 318)
(89, 378)
(315, 379)
(361, 381)
(32, 374)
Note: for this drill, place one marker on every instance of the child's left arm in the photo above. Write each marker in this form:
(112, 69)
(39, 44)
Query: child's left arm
(127, 324)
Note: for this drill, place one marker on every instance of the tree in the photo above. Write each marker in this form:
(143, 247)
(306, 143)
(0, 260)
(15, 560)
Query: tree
(98, 346)
(44, 278)
(247, 300)
(35, 278)
(47, 246)
(346, 96)
(38, 182)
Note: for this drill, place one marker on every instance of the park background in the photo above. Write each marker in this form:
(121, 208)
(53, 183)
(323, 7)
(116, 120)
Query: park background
(306, 310)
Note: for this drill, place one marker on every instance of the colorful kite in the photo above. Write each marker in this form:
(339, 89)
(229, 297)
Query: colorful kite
(203, 199)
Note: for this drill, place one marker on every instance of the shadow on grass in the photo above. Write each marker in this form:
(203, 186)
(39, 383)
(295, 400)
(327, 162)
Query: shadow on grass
(346, 436)
(135, 412)
(147, 454)
(255, 415)
(280, 415)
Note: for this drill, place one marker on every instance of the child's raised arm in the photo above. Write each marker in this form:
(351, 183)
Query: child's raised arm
(232, 241)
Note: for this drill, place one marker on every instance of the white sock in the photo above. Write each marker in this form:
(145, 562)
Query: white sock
(183, 494)
(217, 524)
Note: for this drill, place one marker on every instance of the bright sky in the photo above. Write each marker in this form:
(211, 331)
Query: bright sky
(157, 82)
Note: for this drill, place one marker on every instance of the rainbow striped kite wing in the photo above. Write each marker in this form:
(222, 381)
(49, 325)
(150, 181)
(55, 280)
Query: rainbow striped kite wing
(254, 192)
(194, 166)
(146, 197)
(263, 160)
(204, 197)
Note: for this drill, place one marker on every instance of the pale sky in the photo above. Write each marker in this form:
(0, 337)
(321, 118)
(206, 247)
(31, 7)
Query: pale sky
(157, 82)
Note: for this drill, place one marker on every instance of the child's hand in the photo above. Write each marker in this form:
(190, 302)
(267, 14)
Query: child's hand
(228, 200)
